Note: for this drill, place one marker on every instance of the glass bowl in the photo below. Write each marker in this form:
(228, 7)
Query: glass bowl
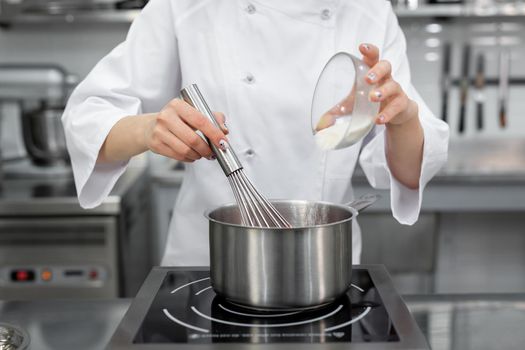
(342, 113)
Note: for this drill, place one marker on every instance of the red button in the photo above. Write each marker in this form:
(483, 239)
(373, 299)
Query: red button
(22, 275)
(93, 274)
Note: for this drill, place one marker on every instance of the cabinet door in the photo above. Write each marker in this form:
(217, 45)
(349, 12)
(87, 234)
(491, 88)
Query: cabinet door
(164, 197)
(408, 252)
(481, 253)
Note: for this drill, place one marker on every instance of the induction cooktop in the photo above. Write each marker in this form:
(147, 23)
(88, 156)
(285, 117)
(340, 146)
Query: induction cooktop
(177, 308)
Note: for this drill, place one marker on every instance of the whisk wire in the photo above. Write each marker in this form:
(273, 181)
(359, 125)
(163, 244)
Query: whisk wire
(273, 214)
(258, 213)
(245, 205)
(242, 209)
(255, 209)
(276, 218)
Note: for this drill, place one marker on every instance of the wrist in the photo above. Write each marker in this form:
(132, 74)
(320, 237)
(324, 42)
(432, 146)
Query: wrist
(146, 129)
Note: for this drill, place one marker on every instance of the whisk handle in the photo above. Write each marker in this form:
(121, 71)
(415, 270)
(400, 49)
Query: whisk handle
(227, 159)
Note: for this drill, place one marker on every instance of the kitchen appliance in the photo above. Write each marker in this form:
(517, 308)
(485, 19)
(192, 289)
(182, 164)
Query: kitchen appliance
(342, 113)
(52, 248)
(44, 135)
(255, 209)
(272, 268)
(177, 308)
(58, 258)
(40, 93)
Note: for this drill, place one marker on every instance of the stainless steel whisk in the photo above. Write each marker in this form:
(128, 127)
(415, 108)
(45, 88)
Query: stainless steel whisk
(255, 209)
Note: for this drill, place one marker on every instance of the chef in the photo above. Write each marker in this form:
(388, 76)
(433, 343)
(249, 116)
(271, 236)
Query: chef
(257, 63)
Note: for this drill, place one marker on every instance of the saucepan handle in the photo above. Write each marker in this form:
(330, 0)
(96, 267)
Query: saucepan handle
(364, 201)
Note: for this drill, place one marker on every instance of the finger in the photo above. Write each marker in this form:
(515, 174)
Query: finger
(221, 120)
(370, 54)
(178, 145)
(178, 127)
(164, 150)
(175, 155)
(196, 120)
(380, 71)
(390, 89)
(392, 109)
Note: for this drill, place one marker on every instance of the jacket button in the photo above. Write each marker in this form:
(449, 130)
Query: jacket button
(251, 9)
(250, 152)
(249, 78)
(326, 14)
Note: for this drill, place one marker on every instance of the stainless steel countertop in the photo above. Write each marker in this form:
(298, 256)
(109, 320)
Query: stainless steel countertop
(57, 196)
(66, 324)
(471, 322)
(450, 322)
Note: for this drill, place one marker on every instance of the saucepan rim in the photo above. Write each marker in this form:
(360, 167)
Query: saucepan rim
(352, 210)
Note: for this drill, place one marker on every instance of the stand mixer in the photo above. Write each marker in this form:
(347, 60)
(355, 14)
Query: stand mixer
(32, 99)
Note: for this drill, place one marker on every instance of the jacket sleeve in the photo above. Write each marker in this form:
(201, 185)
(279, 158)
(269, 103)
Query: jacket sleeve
(139, 76)
(405, 203)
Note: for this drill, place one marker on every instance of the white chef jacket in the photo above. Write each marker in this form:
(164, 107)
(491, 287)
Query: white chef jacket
(257, 61)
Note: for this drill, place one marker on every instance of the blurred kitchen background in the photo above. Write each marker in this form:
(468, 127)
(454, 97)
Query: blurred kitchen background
(467, 62)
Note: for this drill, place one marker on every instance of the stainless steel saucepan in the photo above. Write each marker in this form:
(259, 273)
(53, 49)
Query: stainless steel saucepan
(279, 268)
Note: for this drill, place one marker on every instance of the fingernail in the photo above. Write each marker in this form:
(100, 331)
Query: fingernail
(224, 126)
(372, 76)
(366, 46)
(378, 94)
(381, 119)
(223, 144)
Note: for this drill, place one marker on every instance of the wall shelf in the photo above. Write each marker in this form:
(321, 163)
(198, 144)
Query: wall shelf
(470, 11)
(85, 17)
(462, 11)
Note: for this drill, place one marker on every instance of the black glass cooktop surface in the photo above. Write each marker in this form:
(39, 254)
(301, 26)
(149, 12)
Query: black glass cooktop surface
(186, 310)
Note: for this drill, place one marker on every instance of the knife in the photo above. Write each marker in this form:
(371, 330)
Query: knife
(480, 85)
(504, 69)
(465, 81)
(445, 81)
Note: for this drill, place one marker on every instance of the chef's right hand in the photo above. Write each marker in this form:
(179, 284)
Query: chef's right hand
(172, 132)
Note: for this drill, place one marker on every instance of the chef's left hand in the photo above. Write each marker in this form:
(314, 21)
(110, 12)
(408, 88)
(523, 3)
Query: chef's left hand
(396, 108)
